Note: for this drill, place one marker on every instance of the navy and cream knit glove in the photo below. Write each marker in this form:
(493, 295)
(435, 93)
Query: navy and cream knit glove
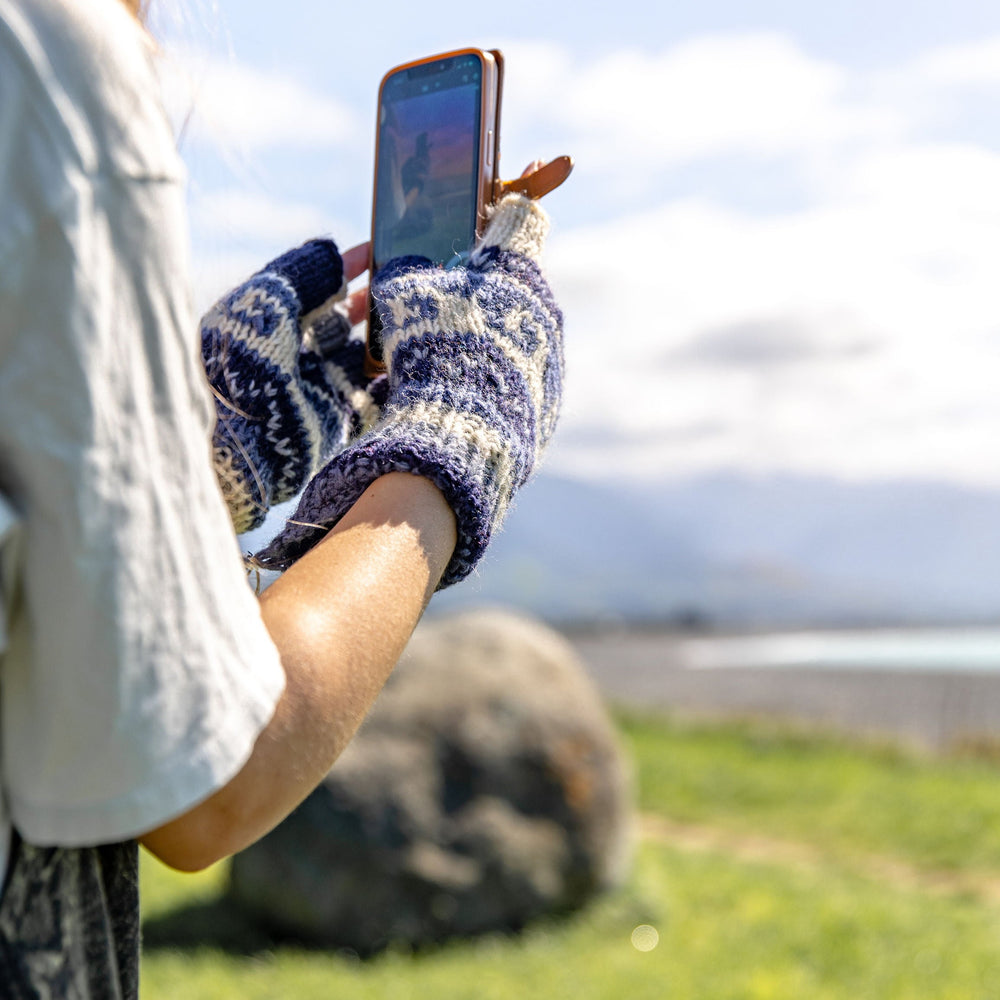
(287, 379)
(475, 360)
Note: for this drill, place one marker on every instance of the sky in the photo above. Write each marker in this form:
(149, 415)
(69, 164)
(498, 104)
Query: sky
(779, 250)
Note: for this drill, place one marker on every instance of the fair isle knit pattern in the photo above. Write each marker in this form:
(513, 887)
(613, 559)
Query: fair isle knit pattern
(475, 363)
(281, 406)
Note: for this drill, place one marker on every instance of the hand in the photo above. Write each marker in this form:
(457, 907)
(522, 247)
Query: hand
(328, 334)
(474, 358)
(281, 407)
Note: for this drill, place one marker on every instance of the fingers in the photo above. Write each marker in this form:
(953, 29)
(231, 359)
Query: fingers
(355, 264)
(357, 306)
(355, 261)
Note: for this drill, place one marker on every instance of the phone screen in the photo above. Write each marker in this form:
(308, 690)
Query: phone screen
(428, 161)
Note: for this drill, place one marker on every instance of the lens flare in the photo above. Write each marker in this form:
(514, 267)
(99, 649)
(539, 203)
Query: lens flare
(645, 937)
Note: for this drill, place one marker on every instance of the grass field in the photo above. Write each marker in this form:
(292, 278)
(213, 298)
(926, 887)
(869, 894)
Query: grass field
(771, 864)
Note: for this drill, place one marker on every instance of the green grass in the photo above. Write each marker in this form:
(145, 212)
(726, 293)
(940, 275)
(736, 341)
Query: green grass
(730, 927)
(847, 798)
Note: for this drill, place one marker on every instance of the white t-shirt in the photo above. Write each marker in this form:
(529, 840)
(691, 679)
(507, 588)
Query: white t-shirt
(135, 670)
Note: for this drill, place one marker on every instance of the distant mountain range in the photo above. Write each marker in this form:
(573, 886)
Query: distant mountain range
(742, 551)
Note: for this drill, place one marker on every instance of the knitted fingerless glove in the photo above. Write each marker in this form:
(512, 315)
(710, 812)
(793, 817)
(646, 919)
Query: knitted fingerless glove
(288, 386)
(475, 362)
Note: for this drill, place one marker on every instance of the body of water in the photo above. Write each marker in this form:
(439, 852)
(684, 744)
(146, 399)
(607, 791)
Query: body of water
(953, 649)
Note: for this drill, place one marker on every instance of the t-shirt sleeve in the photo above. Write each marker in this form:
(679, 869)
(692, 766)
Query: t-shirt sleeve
(138, 672)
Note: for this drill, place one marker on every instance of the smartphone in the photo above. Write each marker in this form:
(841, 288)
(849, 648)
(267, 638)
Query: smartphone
(436, 151)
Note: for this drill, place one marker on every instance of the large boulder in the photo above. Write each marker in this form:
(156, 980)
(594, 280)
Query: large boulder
(485, 789)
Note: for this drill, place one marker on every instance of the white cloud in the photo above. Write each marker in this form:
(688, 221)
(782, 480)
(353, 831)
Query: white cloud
(244, 216)
(905, 268)
(934, 184)
(753, 95)
(967, 64)
(707, 97)
(238, 230)
(862, 325)
(232, 105)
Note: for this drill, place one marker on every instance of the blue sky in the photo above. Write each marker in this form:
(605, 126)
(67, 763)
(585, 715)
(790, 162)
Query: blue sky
(779, 249)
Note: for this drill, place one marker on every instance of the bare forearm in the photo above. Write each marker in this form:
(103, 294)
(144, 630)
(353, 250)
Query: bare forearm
(340, 618)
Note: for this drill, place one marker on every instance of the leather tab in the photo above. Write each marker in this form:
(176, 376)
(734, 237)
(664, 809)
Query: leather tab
(539, 182)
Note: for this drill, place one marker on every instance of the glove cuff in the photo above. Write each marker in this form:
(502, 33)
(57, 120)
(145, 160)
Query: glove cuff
(314, 270)
(475, 503)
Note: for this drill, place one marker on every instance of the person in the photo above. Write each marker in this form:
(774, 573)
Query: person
(418, 216)
(416, 168)
(148, 696)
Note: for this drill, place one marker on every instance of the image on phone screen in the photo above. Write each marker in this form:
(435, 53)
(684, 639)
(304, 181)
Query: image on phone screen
(428, 161)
